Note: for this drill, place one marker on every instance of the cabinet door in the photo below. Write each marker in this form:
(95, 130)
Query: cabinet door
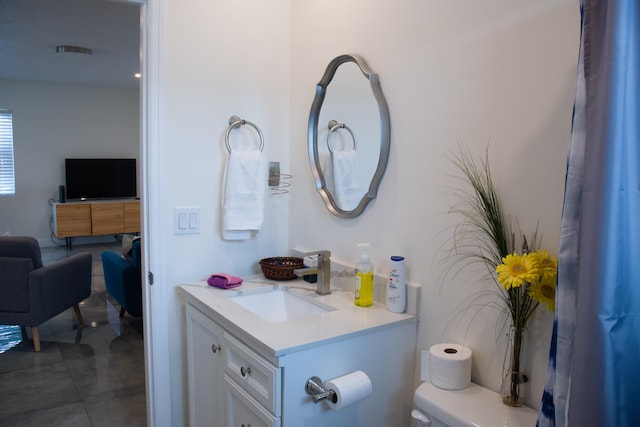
(72, 219)
(253, 373)
(107, 218)
(244, 411)
(204, 366)
(131, 216)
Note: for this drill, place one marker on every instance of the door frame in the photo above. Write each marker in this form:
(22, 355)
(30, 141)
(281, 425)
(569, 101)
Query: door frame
(155, 301)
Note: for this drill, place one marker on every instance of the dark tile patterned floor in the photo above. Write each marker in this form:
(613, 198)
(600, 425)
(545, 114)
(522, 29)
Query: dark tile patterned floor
(91, 375)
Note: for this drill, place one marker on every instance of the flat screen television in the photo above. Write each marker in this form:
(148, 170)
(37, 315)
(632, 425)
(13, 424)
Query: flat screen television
(88, 179)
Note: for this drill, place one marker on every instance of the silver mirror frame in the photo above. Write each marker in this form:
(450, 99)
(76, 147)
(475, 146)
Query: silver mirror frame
(385, 136)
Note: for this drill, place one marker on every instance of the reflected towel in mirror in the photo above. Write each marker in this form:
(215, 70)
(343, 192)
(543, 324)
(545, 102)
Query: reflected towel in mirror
(243, 195)
(345, 179)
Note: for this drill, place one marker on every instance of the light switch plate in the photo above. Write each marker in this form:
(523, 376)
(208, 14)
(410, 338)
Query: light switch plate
(186, 220)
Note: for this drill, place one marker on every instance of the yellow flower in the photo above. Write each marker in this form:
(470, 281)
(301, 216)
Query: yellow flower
(544, 292)
(515, 270)
(546, 264)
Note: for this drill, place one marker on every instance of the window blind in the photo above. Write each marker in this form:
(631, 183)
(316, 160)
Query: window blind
(7, 173)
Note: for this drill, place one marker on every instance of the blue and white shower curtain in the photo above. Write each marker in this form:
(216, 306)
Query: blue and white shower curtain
(594, 365)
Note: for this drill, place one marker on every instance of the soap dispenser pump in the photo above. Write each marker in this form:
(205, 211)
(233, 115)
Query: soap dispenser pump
(364, 278)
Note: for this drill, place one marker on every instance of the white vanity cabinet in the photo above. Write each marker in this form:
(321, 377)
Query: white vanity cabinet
(256, 377)
(229, 384)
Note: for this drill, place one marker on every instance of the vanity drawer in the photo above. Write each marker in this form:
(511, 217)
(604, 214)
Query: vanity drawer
(242, 410)
(259, 378)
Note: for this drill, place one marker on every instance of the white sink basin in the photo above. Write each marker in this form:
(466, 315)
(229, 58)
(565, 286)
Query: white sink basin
(275, 304)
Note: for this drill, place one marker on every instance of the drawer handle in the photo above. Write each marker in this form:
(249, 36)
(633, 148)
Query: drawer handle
(215, 348)
(248, 425)
(245, 371)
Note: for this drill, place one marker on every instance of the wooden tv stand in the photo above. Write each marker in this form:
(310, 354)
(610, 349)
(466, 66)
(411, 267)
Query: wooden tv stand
(95, 218)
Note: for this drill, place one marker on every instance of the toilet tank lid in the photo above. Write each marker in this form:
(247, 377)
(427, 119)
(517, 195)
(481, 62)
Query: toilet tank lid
(475, 406)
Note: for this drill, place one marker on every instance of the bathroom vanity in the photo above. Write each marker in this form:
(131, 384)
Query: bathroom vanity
(252, 349)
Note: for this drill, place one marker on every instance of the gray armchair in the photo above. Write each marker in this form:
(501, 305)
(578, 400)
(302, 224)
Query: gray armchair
(31, 293)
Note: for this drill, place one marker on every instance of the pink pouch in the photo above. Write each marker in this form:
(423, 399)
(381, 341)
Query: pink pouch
(224, 281)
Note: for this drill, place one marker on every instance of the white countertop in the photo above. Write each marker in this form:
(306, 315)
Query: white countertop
(274, 340)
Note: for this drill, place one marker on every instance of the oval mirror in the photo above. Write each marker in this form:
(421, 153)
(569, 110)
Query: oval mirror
(349, 136)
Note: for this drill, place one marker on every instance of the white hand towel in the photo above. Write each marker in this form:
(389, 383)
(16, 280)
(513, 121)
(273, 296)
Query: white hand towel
(243, 196)
(345, 179)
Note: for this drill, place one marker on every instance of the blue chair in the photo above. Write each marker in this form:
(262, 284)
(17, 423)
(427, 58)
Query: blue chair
(123, 279)
(31, 293)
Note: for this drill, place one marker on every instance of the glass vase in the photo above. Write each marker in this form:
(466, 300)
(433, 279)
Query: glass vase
(513, 379)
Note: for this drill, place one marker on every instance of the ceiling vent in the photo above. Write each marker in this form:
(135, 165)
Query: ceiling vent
(73, 49)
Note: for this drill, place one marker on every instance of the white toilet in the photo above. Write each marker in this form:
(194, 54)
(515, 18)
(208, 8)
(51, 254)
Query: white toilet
(473, 406)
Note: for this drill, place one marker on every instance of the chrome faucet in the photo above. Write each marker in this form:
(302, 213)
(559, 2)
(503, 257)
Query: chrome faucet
(323, 270)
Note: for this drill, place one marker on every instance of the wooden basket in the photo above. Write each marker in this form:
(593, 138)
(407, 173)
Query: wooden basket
(280, 268)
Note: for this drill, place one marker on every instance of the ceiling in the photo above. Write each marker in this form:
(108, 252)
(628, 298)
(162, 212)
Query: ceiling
(30, 30)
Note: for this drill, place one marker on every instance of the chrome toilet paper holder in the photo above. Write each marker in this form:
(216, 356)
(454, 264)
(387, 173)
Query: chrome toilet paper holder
(315, 388)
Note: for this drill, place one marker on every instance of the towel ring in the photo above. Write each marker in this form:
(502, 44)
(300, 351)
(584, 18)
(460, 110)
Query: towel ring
(236, 122)
(333, 127)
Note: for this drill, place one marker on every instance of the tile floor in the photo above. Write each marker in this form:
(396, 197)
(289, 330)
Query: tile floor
(83, 376)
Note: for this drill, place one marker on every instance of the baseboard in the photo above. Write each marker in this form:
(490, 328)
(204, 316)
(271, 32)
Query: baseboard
(46, 242)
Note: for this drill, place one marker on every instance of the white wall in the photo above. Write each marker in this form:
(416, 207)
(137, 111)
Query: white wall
(50, 123)
(219, 59)
(452, 72)
(457, 71)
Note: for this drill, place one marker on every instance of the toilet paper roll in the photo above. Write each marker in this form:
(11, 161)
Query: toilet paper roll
(349, 389)
(450, 366)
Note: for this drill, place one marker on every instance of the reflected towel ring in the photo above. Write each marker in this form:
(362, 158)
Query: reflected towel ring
(334, 126)
(236, 122)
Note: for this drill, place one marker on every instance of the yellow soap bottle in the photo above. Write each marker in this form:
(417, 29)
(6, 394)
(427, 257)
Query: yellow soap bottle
(364, 278)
